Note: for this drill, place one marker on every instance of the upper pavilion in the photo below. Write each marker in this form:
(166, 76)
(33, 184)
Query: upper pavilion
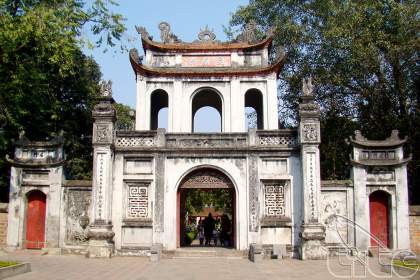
(205, 57)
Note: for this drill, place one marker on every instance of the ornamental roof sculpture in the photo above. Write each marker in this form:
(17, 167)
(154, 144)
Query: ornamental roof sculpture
(307, 86)
(205, 36)
(165, 33)
(106, 88)
(169, 41)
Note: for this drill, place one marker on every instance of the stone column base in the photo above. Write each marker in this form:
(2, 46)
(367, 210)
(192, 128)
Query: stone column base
(100, 249)
(313, 250)
(312, 247)
(100, 241)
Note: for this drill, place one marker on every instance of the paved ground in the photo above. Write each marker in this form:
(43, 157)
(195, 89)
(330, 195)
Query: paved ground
(134, 268)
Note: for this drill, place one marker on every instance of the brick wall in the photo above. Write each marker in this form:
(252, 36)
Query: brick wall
(3, 224)
(415, 228)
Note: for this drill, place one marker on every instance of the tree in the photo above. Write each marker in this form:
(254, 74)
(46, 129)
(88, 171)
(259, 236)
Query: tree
(197, 199)
(47, 85)
(363, 56)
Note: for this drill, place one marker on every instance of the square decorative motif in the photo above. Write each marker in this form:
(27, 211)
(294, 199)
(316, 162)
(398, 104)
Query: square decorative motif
(274, 200)
(138, 201)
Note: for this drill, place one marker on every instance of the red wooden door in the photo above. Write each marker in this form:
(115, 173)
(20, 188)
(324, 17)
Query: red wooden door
(35, 220)
(379, 218)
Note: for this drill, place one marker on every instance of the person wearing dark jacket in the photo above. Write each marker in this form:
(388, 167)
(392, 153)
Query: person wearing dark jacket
(208, 228)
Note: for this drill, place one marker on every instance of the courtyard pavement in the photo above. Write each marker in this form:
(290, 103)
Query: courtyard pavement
(137, 268)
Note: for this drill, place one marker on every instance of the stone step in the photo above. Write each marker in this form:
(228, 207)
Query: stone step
(198, 253)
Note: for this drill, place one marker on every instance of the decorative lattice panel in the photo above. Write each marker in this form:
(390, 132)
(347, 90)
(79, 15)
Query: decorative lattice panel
(277, 141)
(274, 201)
(138, 201)
(133, 142)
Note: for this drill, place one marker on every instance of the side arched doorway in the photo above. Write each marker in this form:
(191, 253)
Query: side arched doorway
(379, 212)
(205, 180)
(35, 220)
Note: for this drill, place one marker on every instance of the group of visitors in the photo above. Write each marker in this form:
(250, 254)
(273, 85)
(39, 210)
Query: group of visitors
(215, 230)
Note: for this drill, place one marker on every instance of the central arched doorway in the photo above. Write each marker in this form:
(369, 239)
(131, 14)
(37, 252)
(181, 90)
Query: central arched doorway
(213, 183)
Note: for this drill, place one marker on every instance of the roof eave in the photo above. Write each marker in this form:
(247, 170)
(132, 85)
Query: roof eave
(197, 47)
(154, 72)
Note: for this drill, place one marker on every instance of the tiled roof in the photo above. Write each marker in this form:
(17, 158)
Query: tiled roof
(204, 46)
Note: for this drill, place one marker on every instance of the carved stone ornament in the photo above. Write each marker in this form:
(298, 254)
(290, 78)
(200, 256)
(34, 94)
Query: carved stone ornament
(143, 33)
(103, 109)
(103, 133)
(207, 179)
(101, 235)
(206, 35)
(310, 132)
(307, 86)
(106, 88)
(134, 54)
(165, 33)
(77, 212)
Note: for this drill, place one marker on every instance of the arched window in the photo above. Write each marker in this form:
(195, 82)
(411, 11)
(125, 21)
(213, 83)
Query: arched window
(206, 111)
(254, 109)
(159, 110)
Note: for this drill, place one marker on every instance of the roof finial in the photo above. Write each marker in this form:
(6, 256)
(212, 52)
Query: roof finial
(206, 35)
(165, 33)
(307, 86)
(106, 88)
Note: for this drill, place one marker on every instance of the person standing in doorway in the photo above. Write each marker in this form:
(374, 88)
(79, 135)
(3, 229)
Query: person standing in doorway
(200, 229)
(208, 228)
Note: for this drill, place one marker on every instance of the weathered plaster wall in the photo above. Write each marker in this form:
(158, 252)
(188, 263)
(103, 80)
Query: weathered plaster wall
(415, 228)
(3, 224)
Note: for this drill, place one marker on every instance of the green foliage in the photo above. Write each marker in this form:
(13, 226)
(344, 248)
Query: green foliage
(7, 263)
(46, 84)
(196, 199)
(125, 116)
(190, 236)
(363, 56)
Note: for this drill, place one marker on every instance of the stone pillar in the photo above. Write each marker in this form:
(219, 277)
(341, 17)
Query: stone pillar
(100, 232)
(312, 231)
(142, 105)
(272, 104)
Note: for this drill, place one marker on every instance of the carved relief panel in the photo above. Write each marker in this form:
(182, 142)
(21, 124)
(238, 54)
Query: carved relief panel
(380, 174)
(274, 202)
(137, 200)
(336, 228)
(102, 133)
(77, 215)
(310, 133)
(276, 197)
(163, 61)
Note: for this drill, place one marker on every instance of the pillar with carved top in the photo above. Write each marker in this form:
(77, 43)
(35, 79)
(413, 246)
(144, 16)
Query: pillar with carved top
(312, 231)
(100, 232)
